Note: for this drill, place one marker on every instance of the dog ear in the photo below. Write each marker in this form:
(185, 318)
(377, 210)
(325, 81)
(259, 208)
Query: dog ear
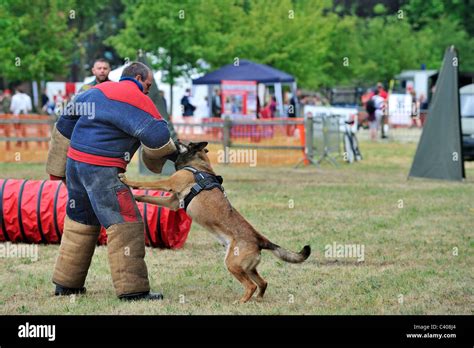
(199, 146)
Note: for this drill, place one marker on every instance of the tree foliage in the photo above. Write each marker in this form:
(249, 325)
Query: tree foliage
(35, 43)
(307, 38)
(322, 42)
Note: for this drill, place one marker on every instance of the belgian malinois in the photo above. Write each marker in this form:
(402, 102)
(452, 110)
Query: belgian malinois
(211, 209)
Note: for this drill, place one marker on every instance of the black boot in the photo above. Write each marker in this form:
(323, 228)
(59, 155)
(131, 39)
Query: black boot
(142, 296)
(63, 291)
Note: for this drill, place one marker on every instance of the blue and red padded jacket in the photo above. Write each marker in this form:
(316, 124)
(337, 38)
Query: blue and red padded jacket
(107, 123)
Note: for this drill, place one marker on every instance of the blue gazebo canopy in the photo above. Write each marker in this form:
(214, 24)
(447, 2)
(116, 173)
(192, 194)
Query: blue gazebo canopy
(245, 71)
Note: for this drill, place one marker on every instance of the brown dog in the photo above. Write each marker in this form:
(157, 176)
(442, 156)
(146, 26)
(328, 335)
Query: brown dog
(211, 209)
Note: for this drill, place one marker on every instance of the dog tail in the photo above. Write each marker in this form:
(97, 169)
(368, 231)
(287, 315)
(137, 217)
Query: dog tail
(287, 255)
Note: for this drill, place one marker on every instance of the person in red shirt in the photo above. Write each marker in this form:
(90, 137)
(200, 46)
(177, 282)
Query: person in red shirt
(384, 121)
(366, 96)
(382, 92)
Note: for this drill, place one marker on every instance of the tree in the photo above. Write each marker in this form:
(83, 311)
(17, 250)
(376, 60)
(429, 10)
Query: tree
(292, 36)
(319, 46)
(386, 46)
(425, 13)
(93, 22)
(175, 33)
(35, 43)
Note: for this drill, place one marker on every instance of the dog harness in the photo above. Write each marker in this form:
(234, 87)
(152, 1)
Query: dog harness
(204, 181)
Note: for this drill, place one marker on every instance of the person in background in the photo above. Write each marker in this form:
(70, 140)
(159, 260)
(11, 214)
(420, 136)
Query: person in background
(6, 101)
(58, 99)
(162, 95)
(415, 110)
(186, 106)
(44, 101)
(293, 109)
(423, 102)
(375, 111)
(216, 103)
(318, 101)
(366, 97)
(100, 70)
(384, 120)
(20, 105)
(382, 92)
(259, 107)
(424, 105)
(266, 112)
(273, 105)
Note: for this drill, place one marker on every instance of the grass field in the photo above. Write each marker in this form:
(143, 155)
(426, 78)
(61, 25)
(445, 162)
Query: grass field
(417, 237)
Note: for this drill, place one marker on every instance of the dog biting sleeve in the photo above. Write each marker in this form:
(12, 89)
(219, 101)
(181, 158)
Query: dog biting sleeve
(154, 159)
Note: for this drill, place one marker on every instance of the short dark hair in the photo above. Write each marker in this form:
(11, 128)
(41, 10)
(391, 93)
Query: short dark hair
(101, 60)
(136, 68)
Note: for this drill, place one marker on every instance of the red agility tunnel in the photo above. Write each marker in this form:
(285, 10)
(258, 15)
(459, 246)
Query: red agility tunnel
(33, 211)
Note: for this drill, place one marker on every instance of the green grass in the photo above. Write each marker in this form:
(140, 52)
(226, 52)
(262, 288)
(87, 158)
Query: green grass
(409, 265)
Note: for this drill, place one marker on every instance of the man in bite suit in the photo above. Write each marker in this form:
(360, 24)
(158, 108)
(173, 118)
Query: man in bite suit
(92, 142)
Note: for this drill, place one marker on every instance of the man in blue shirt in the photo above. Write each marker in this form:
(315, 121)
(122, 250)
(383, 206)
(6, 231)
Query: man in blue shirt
(92, 142)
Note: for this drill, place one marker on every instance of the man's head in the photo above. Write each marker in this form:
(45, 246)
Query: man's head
(141, 73)
(379, 86)
(100, 70)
